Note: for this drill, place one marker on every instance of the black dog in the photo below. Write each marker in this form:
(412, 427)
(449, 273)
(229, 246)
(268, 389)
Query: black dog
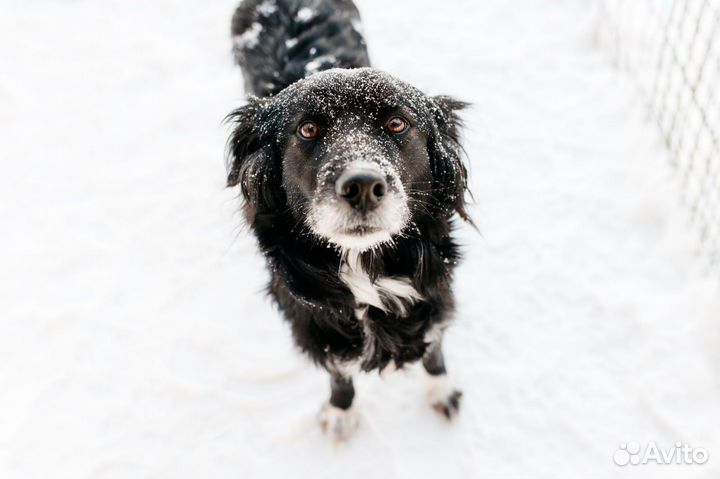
(350, 178)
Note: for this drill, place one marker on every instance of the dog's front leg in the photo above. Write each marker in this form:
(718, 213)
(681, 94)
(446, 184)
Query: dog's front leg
(443, 397)
(337, 418)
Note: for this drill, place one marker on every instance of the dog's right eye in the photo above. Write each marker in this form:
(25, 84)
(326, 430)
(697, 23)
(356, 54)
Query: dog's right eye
(308, 130)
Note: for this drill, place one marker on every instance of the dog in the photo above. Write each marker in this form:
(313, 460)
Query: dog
(350, 179)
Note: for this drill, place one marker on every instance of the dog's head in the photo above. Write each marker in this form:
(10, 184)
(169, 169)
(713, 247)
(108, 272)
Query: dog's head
(356, 156)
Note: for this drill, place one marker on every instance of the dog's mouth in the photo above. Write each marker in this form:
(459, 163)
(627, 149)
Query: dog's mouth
(361, 230)
(347, 229)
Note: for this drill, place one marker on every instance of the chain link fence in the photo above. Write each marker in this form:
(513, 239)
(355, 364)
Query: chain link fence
(672, 48)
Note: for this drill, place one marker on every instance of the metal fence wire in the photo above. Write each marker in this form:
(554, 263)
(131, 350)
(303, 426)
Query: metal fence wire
(672, 48)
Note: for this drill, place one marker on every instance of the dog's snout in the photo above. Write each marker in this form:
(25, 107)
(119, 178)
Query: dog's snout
(362, 189)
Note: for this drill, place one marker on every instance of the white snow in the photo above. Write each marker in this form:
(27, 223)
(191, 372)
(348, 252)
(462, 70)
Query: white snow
(250, 37)
(314, 65)
(357, 26)
(135, 338)
(267, 8)
(304, 14)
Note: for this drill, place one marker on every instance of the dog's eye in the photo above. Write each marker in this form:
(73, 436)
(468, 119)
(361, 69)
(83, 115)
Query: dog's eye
(308, 130)
(396, 124)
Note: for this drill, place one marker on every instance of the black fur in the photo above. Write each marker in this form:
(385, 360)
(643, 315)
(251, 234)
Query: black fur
(278, 174)
(342, 391)
(434, 361)
(286, 45)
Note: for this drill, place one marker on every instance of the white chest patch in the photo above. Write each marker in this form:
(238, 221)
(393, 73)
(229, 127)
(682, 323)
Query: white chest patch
(396, 293)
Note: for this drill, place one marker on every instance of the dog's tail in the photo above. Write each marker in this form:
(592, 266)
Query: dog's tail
(278, 42)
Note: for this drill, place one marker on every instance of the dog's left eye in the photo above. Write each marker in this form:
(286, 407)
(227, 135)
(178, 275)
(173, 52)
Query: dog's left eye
(396, 124)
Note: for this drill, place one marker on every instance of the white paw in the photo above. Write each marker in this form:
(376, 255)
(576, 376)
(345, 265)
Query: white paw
(443, 397)
(338, 424)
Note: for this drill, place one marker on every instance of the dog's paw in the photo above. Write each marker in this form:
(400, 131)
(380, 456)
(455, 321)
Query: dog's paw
(448, 406)
(444, 398)
(338, 424)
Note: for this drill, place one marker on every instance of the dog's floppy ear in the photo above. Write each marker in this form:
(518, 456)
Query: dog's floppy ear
(244, 140)
(445, 151)
(250, 159)
(448, 109)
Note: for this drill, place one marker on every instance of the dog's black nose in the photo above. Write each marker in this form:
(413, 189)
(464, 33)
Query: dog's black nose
(362, 189)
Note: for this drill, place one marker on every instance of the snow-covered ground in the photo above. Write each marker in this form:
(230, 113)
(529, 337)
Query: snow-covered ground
(135, 342)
